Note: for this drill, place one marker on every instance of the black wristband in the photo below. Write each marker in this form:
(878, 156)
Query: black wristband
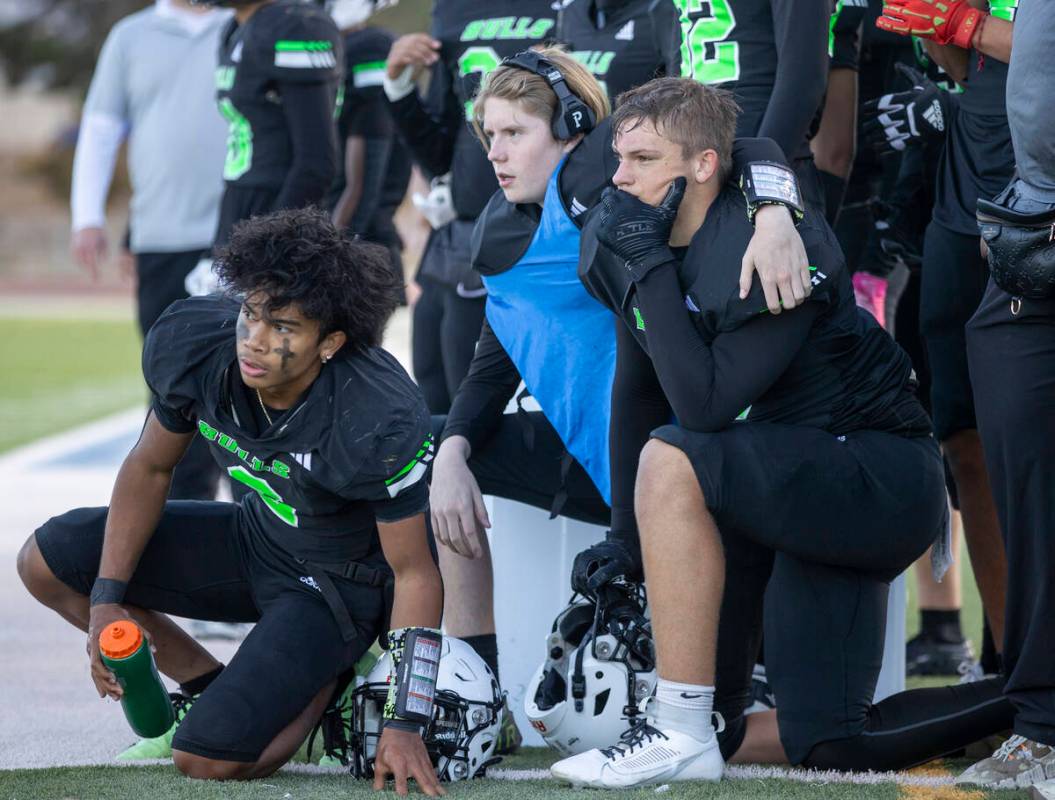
(107, 590)
(404, 725)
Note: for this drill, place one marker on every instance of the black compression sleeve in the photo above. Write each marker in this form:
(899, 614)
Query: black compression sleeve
(638, 407)
(709, 385)
(313, 142)
(747, 149)
(485, 391)
(429, 129)
(800, 28)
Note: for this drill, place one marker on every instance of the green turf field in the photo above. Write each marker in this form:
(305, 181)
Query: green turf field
(515, 780)
(61, 373)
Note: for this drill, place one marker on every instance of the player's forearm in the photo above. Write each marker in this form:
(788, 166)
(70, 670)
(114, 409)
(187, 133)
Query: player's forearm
(350, 198)
(313, 142)
(136, 505)
(418, 599)
(430, 142)
(994, 39)
(93, 168)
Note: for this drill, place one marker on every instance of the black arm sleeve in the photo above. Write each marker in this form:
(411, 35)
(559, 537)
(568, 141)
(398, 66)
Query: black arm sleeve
(800, 28)
(638, 407)
(429, 130)
(709, 385)
(313, 141)
(485, 391)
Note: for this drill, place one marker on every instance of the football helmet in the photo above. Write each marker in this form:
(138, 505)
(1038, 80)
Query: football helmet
(599, 668)
(465, 717)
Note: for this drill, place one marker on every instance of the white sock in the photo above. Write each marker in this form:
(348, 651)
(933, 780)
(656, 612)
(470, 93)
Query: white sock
(684, 707)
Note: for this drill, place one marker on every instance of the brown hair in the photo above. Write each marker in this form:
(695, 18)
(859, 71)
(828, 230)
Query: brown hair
(533, 92)
(696, 116)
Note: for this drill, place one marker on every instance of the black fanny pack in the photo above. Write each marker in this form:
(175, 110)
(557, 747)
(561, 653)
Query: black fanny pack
(1021, 249)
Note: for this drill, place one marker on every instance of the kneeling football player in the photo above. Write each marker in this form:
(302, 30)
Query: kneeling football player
(828, 486)
(285, 378)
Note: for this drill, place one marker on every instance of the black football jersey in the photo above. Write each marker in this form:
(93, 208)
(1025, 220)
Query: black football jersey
(474, 38)
(353, 451)
(773, 56)
(625, 46)
(849, 375)
(364, 113)
(284, 42)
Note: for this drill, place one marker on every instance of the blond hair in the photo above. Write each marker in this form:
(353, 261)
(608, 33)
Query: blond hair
(533, 92)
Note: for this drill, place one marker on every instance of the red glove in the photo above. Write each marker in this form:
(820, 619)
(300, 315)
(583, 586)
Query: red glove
(941, 21)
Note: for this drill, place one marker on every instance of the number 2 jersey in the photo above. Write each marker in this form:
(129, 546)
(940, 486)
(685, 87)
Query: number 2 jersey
(773, 56)
(351, 452)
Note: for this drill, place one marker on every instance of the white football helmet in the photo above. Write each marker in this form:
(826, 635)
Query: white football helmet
(349, 13)
(599, 668)
(465, 717)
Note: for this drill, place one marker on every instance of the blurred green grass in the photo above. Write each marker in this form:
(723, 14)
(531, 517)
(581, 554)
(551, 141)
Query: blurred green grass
(60, 373)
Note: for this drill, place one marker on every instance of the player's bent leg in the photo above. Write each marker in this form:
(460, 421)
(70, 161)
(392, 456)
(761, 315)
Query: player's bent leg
(681, 548)
(257, 712)
(47, 588)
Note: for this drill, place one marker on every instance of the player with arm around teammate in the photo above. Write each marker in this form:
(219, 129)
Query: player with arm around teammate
(543, 327)
(297, 401)
(830, 487)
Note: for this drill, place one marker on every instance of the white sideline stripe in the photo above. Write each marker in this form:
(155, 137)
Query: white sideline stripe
(761, 773)
(68, 441)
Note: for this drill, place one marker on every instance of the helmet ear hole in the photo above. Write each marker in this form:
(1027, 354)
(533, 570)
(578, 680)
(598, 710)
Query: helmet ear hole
(600, 702)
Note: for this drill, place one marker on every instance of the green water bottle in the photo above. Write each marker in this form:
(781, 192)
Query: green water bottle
(145, 701)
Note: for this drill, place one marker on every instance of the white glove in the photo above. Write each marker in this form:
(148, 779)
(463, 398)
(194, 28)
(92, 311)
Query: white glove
(202, 279)
(437, 206)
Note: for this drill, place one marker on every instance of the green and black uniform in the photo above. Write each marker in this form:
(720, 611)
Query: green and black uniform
(474, 38)
(773, 56)
(624, 43)
(386, 163)
(829, 487)
(277, 85)
(300, 554)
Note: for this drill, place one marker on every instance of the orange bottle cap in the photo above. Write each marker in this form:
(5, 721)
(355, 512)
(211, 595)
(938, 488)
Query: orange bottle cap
(120, 639)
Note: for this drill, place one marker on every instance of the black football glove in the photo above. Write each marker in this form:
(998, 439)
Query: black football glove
(637, 232)
(903, 119)
(602, 563)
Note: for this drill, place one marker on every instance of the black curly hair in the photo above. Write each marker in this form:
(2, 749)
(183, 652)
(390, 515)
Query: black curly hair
(299, 256)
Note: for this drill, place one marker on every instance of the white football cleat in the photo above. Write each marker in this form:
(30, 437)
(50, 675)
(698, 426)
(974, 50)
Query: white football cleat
(644, 755)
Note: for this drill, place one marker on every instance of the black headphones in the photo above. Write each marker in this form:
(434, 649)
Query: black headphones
(572, 115)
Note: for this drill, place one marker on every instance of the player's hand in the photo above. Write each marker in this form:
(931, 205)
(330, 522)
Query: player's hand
(942, 21)
(602, 563)
(402, 755)
(414, 50)
(98, 618)
(898, 120)
(777, 254)
(459, 516)
(89, 249)
(637, 232)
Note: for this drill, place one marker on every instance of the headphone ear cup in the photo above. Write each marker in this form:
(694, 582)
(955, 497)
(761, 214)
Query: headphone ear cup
(571, 118)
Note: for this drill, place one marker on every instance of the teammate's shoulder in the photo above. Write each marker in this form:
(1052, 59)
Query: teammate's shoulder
(502, 234)
(375, 400)
(587, 171)
(187, 338)
(295, 38)
(604, 276)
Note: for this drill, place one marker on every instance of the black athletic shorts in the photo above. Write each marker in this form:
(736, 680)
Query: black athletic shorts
(827, 521)
(954, 279)
(530, 468)
(196, 565)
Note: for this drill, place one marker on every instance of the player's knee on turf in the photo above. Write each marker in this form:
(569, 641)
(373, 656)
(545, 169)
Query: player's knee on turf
(208, 769)
(665, 480)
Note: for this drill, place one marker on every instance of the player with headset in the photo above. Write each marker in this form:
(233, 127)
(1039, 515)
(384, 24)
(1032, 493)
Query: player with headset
(541, 116)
